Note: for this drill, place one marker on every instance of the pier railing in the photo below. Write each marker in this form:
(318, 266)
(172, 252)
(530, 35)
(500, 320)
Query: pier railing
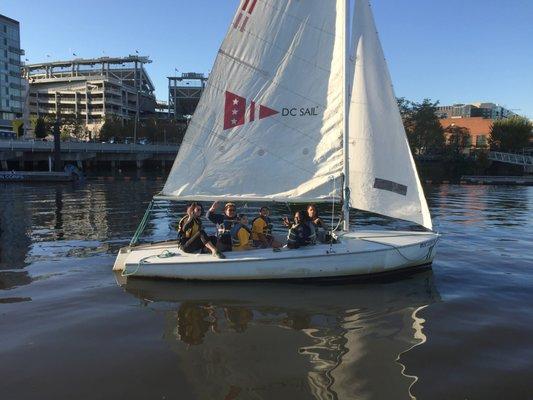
(48, 146)
(511, 158)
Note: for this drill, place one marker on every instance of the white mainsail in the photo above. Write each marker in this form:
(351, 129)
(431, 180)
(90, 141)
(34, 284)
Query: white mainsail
(269, 124)
(382, 173)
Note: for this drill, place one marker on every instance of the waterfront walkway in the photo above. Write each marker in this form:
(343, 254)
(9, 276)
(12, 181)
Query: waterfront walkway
(34, 151)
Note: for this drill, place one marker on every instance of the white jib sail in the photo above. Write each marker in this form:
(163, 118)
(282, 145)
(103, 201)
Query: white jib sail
(382, 173)
(269, 124)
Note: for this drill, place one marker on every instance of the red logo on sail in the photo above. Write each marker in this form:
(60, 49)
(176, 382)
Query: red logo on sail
(247, 9)
(235, 111)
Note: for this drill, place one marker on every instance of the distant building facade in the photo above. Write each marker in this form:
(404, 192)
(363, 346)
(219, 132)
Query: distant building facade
(91, 90)
(184, 93)
(478, 127)
(11, 88)
(474, 110)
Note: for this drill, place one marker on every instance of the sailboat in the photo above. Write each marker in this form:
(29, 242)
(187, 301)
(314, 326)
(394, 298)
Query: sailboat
(299, 108)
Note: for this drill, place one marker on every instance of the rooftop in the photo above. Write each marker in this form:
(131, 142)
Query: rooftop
(9, 19)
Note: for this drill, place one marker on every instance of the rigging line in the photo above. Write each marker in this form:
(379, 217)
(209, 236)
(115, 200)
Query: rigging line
(397, 248)
(332, 214)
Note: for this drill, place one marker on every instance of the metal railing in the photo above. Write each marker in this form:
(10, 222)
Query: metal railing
(48, 146)
(511, 158)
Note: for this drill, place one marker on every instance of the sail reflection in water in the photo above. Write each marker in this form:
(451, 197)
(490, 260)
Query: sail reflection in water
(293, 341)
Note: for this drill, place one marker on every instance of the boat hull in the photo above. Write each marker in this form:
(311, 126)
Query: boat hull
(361, 253)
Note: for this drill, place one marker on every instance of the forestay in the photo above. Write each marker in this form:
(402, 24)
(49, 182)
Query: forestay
(269, 124)
(382, 173)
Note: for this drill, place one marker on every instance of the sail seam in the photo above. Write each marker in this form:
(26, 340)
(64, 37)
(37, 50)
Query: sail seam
(245, 64)
(255, 145)
(271, 5)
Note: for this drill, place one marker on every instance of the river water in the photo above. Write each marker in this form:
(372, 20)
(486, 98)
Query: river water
(68, 330)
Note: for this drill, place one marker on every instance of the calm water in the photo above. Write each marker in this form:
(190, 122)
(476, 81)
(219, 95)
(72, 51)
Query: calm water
(462, 330)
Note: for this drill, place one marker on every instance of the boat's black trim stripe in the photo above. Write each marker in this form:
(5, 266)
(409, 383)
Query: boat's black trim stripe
(390, 186)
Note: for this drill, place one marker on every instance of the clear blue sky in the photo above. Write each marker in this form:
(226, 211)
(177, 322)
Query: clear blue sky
(453, 51)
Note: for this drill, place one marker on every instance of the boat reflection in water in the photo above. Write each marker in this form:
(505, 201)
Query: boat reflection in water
(283, 340)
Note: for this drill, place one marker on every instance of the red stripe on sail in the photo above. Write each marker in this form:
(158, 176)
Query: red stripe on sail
(251, 10)
(252, 111)
(237, 21)
(244, 24)
(265, 112)
(245, 5)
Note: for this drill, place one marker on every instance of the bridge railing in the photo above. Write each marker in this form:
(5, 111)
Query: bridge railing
(48, 146)
(511, 158)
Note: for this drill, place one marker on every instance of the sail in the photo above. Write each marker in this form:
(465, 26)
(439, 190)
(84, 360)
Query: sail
(269, 123)
(382, 173)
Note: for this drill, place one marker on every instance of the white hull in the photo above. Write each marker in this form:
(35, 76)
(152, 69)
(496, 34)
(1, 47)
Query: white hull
(357, 253)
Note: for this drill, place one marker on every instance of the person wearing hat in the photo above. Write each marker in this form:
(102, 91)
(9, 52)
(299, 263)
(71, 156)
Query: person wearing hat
(224, 223)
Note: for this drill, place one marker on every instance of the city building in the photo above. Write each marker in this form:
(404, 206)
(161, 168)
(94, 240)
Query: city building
(184, 93)
(11, 89)
(478, 127)
(91, 90)
(483, 110)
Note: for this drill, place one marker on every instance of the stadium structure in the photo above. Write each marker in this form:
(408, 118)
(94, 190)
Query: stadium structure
(91, 90)
(184, 93)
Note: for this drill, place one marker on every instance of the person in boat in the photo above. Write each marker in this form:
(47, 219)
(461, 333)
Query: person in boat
(301, 232)
(241, 235)
(262, 230)
(224, 223)
(191, 237)
(321, 228)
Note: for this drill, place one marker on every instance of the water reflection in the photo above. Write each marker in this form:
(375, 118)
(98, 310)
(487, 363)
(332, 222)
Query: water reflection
(270, 340)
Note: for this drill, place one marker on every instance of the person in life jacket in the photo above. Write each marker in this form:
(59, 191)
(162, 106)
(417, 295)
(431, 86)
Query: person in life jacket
(241, 235)
(262, 230)
(191, 237)
(301, 232)
(323, 234)
(224, 223)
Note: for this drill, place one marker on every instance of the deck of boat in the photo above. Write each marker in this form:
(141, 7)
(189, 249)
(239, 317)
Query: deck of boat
(361, 252)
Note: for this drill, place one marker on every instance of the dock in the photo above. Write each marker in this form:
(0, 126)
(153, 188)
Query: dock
(498, 180)
(25, 176)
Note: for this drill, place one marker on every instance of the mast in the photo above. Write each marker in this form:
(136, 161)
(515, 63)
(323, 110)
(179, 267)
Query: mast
(346, 134)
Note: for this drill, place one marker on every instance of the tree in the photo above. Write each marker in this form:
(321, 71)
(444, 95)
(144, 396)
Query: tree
(423, 128)
(511, 134)
(458, 139)
(112, 128)
(41, 128)
(18, 127)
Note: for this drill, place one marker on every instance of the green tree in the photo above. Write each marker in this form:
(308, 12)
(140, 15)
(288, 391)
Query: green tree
(41, 128)
(112, 128)
(458, 140)
(511, 134)
(423, 128)
(18, 127)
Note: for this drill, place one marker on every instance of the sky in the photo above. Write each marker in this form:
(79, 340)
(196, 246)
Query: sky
(453, 51)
